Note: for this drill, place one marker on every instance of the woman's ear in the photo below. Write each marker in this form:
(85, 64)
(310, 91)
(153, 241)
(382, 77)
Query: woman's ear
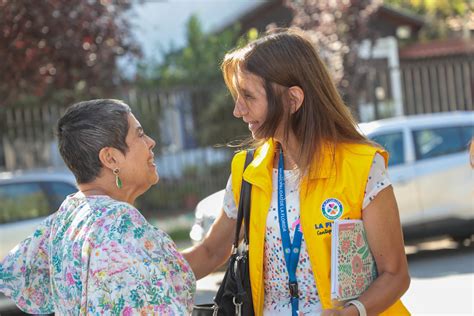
(296, 98)
(110, 157)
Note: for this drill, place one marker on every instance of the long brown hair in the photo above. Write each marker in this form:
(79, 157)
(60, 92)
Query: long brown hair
(287, 58)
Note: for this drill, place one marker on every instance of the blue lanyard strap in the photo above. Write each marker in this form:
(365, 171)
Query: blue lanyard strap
(291, 251)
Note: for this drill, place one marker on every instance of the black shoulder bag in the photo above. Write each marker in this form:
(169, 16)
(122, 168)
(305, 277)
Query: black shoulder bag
(234, 296)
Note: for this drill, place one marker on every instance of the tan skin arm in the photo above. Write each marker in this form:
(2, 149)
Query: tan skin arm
(384, 234)
(215, 249)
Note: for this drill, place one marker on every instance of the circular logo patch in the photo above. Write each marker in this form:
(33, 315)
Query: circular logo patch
(332, 209)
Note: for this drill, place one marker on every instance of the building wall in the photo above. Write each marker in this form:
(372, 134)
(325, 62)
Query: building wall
(389, 102)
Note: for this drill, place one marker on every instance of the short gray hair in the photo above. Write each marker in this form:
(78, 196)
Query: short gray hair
(87, 127)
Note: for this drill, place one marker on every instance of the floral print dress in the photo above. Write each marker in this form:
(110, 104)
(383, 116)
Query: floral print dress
(98, 256)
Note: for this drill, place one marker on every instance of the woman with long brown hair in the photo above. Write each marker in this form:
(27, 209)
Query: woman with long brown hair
(311, 166)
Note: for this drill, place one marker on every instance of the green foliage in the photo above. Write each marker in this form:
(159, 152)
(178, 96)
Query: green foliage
(440, 15)
(30, 206)
(179, 234)
(61, 51)
(197, 62)
(442, 8)
(171, 195)
(197, 67)
(219, 126)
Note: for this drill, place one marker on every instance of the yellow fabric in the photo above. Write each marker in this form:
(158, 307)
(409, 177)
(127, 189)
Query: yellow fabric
(341, 176)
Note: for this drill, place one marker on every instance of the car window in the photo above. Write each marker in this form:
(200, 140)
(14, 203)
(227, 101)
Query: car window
(393, 143)
(57, 192)
(22, 201)
(467, 134)
(435, 142)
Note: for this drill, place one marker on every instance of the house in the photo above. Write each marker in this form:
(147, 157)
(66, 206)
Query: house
(418, 78)
(383, 93)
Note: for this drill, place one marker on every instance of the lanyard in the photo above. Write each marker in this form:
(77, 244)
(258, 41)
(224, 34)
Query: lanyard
(291, 251)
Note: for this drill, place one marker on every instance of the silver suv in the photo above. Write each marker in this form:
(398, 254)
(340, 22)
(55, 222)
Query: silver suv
(429, 168)
(430, 171)
(27, 197)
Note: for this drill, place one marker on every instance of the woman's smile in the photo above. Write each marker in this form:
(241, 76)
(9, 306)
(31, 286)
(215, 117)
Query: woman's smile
(151, 162)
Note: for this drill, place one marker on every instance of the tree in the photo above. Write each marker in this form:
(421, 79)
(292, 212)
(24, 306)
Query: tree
(196, 68)
(442, 16)
(337, 27)
(61, 49)
(198, 61)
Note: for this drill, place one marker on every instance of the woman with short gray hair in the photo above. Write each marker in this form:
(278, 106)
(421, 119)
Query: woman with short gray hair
(97, 254)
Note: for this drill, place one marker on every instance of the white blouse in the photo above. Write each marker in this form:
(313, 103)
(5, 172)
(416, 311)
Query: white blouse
(277, 299)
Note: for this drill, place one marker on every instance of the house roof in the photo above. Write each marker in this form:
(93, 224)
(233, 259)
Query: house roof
(437, 48)
(276, 9)
(262, 14)
(400, 16)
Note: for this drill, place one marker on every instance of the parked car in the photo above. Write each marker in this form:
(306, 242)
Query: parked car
(429, 169)
(205, 213)
(27, 197)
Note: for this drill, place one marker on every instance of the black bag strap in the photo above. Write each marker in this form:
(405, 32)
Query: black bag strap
(244, 204)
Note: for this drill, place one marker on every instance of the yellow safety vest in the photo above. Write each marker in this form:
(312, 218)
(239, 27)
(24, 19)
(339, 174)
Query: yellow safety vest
(342, 177)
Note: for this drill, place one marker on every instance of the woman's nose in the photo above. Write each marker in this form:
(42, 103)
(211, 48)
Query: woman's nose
(240, 108)
(152, 142)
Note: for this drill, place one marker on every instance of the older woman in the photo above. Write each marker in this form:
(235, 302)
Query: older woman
(97, 254)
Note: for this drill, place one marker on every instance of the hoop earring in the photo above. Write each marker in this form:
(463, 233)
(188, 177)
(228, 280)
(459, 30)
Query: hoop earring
(118, 182)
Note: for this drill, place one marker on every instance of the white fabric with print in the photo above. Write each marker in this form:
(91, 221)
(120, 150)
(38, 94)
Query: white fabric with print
(276, 300)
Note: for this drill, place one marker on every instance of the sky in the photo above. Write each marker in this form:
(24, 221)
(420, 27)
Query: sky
(160, 25)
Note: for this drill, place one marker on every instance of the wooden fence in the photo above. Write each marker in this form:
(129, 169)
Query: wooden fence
(27, 136)
(438, 84)
(27, 141)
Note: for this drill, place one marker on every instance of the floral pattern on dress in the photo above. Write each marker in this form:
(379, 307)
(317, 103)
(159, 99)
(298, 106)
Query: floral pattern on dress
(97, 256)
